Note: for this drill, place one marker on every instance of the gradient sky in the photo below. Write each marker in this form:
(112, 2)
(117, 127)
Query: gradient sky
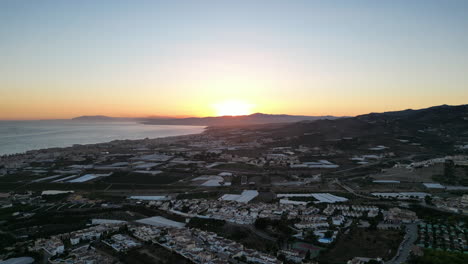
(60, 59)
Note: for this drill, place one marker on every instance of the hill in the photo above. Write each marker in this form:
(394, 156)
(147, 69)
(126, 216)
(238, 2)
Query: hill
(438, 128)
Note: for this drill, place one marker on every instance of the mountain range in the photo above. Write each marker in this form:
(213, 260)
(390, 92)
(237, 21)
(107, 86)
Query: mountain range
(443, 115)
(257, 118)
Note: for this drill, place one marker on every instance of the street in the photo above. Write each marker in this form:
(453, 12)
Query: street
(405, 246)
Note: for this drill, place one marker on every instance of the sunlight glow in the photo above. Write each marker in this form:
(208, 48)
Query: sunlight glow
(233, 108)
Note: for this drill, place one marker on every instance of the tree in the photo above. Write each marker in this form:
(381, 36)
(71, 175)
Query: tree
(428, 199)
(311, 236)
(262, 223)
(449, 171)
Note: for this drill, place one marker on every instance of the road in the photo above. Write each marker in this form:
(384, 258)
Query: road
(349, 189)
(405, 246)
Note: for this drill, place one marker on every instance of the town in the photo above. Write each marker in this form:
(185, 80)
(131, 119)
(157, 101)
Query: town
(246, 194)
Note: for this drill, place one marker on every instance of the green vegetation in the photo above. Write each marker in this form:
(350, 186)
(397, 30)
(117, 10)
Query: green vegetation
(440, 257)
(47, 223)
(279, 228)
(442, 236)
(449, 174)
(6, 213)
(40, 186)
(147, 211)
(431, 215)
(453, 174)
(138, 178)
(212, 225)
(310, 236)
(55, 197)
(428, 199)
(6, 240)
(19, 177)
(303, 199)
(239, 167)
(363, 242)
(198, 195)
(240, 234)
(132, 187)
(106, 196)
(346, 195)
(9, 186)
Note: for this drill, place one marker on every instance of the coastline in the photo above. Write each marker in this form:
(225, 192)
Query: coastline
(46, 153)
(72, 146)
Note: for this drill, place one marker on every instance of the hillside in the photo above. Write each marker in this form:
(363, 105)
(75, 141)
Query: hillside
(438, 128)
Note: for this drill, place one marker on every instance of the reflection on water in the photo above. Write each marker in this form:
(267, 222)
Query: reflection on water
(20, 136)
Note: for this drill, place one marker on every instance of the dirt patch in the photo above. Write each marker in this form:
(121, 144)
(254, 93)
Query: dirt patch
(416, 175)
(360, 242)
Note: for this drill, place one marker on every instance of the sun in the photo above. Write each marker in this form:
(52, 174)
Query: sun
(233, 108)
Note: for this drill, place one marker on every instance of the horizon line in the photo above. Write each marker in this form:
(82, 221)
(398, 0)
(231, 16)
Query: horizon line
(187, 116)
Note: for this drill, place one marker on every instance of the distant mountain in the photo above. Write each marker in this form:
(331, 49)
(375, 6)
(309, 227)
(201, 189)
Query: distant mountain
(102, 118)
(257, 118)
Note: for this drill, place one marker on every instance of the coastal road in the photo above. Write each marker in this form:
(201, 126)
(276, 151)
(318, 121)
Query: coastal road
(405, 246)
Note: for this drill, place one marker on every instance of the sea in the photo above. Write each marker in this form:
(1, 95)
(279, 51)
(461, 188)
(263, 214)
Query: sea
(21, 136)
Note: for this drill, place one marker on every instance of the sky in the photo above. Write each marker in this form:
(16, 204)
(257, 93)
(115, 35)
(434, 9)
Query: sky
(62, 59)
